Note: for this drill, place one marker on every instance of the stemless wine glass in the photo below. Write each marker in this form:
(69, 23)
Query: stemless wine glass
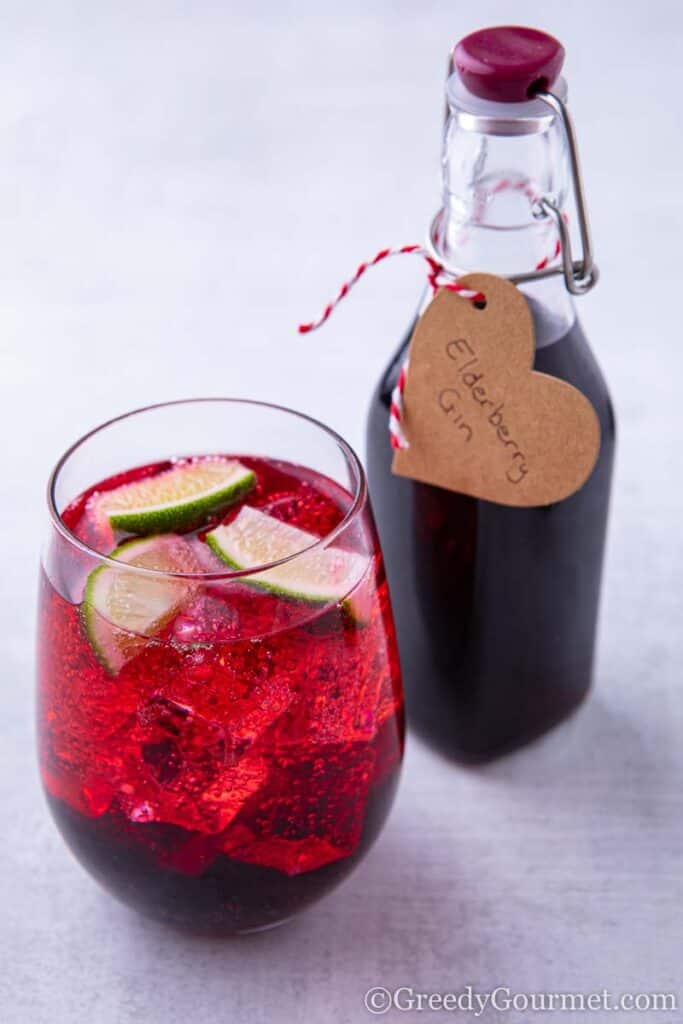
(220, 737)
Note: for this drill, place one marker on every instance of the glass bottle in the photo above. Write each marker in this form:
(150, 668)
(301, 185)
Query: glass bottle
(496, 607)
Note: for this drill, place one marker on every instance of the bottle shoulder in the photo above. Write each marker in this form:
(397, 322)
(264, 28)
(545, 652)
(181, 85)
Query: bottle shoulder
(570, 357)
(390, 374)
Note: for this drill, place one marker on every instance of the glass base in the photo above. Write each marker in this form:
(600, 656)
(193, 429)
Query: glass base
(213, 895)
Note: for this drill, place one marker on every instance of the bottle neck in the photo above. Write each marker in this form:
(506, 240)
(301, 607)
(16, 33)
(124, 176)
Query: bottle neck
(490, 218)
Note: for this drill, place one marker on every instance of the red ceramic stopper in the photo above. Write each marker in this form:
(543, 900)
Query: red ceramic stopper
(508, 63)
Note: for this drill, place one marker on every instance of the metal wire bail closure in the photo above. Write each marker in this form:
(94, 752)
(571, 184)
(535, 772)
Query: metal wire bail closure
(580, 275)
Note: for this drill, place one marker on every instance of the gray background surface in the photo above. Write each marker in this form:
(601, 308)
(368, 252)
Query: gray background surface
(180, 184)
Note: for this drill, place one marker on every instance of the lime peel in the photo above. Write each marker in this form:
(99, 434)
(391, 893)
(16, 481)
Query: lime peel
(320, 575)
(123, 609)
(180, 497)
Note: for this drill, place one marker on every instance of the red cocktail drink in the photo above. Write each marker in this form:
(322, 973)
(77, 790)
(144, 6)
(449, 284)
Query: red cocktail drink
(220, 710)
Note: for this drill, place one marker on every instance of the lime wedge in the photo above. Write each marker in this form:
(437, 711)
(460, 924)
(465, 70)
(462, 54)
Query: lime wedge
(254, 538)
(182, 496)
(121, 609)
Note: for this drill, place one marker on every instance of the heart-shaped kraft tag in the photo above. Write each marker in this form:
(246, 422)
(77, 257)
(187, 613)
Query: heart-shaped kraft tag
(478, 419)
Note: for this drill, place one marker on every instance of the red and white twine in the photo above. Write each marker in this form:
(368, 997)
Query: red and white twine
(435, 276)
(438, 277)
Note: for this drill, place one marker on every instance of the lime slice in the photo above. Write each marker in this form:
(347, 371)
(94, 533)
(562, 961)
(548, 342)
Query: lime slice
(182, 496)
(121, 610)
(254, 538)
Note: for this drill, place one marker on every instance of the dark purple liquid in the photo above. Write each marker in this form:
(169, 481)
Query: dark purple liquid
(495, 607)
(216, 896)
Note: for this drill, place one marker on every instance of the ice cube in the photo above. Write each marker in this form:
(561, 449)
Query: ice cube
(181, 768)
(309, 813)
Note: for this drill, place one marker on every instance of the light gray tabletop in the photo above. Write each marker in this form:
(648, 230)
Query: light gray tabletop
(180, 185)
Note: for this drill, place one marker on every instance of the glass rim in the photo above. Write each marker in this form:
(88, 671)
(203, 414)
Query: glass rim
(359, 496)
